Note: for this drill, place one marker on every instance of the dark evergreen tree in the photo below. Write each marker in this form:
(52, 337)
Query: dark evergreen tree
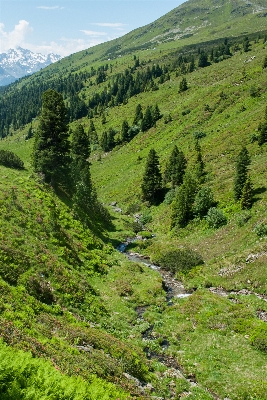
(152, 179)
(246, 199)
(175, 168)
(156, 113)
(51, 153)
(104, 141)
(80, 145)
(246, 44)
(138, 115)
(241, 172)
(147, 121)
(203, 60)
(262, 136)
(182, 208)
(183, 85)
(124, 131)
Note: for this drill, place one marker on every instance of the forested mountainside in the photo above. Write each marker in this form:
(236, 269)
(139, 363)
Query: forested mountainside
(159, 143)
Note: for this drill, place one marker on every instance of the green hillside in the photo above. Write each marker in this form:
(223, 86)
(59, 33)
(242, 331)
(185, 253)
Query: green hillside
(114, 328)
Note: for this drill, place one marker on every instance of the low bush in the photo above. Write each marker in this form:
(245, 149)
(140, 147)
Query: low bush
(258, 339)
(215, 218)
(261, 229)
(179, 260)
(10, 160)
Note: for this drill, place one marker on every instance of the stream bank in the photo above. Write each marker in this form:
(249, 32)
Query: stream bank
(173, 289)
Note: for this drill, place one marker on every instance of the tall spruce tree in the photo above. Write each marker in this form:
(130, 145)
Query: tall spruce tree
(124, 131)
(138, 115)
(80, 168)
(51, 153)
(175, 168)
(182, 207)
(241, 172)
(152, 179)
(147, 121)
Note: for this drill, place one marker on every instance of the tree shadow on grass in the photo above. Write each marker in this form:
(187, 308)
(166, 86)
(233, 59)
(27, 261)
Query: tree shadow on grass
(257, 193)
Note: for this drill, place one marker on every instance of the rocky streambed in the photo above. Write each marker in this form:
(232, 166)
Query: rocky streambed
(173, 289)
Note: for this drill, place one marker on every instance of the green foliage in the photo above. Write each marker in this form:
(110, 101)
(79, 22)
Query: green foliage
(24, 377)
(215, 218)
(199, 135)
(259, 339)
(152, 179)
(10, 160)
(146, 218)
(241, 172)
(203, 201)
(261, 229)
(175, 168)
(181, 260)
(51, 147)
(183, 85)
(183, 202)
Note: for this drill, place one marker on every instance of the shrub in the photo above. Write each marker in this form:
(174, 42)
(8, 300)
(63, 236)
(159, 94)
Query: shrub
(170, 196)
(215, 218)
(179, 260)
(146, 218)
(259, 339)
(145, 234)
(199, 135)
(10, 160)
(203, 201)
(261, 229)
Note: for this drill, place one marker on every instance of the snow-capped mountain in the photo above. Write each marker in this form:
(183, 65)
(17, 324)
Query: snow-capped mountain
(20, 62)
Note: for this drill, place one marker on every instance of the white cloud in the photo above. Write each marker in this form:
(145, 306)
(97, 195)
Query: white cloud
(15, 38)
(65, 46)
(116, 25)
(93, 33)
(50, 8)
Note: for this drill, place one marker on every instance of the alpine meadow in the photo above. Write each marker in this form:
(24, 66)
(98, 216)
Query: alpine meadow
(133, 195)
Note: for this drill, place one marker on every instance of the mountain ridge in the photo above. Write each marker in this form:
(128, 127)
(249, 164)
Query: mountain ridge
(19, 62)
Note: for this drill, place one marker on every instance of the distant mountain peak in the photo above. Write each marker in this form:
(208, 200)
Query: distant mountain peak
(19, 62)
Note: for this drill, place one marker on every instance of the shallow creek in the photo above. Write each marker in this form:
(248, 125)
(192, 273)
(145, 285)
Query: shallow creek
(173, 289)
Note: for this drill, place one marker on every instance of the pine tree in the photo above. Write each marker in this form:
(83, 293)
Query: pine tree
(241, 172)
(182, 208)
(175, 168)
(147, 121)
(80, 145)
(51, 153)
(124, 131)
(156, 113)
(183, 85)
(246, 199)
(152, 179)
(138, 115)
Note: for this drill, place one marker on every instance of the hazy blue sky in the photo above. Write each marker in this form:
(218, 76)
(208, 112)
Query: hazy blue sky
(64, 27)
